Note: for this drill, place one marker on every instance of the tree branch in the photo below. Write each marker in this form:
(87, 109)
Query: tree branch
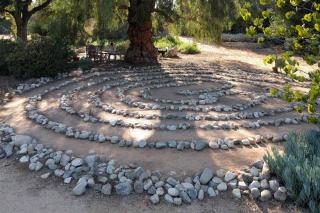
(164, 14)
(40, 7)
(122, 7)
(10, 12)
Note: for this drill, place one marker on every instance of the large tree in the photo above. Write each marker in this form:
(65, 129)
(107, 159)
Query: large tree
(21, 11)
(206, 18)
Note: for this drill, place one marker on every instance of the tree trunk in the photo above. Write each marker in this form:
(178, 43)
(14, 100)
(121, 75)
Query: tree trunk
(141, 49)
(22, 31)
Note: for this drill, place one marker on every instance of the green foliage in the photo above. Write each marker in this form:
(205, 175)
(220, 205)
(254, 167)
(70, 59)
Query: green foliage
(299, 168)
(6, 48)
(273, 91)
(204, 20)
(188, 48)
(166, 42)
(299, 23)
(169, 42)
(40, 57)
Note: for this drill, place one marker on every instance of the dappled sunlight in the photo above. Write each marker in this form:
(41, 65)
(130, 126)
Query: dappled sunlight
(137, 134)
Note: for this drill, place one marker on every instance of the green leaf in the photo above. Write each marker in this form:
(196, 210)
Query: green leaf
(317, 27)
(294, 2)
(251, 31)
(269, 59)
(266, 14)
(308, 17)
(258, 22)
(245, 14)
(280, 3)
(289, 14)
(265, 2)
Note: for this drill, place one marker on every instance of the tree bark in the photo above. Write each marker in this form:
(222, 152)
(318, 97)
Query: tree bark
(22, 30)
(141, 49)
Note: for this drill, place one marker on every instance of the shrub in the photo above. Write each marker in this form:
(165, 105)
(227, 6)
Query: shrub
(122, 45)
(166, 42)
(188, 48)
(42, 56)
(6, 48)
(299, 168)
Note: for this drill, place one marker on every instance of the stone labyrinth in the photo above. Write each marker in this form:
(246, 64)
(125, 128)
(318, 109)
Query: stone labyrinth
(169, 110)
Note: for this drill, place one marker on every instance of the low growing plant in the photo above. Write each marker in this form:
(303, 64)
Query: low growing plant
(299, 168)
(188, 48)
(40, 57)
(6, 48)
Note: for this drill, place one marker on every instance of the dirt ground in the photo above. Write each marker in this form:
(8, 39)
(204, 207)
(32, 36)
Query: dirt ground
(23, 191)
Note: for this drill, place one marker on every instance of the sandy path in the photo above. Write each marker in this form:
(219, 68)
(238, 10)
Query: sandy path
(24, 192)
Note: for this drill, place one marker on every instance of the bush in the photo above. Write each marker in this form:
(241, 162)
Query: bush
(42, 56)
(6, 48)
(188, 48)
(299, 168)
(166, 42)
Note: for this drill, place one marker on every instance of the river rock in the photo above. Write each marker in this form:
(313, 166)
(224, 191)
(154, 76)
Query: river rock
(206, 176)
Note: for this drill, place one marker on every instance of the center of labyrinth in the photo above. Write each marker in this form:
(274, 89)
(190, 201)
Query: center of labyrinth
(180, 106)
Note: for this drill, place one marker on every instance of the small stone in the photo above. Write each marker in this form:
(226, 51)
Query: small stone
(106, 189)
(8, 149)
(198, 145)
(123, 188)
(80, 188)
(24, 159)
(18, 140)
(254, 184)
(173, 192)
(236, 193)
(247, 177)
(242, 185)
(274, 185)
(258, 164)
(46, 175)
(172, 181)
(147, 184)
(213, 145)
(138, 187)
(221, 173)
(67, 180)
(245, 142)
(265, 195)
(254, 171)
(142, 143)
(211, 192)
(201, 194)
(77, 162)
(206, 176)
(280, 194)
(222, 186)
(58, 172)
(255, 192)
(155, 199)
(65, 159)
(229, 176)
(177, 201)
(264, 184)
(168, 198)
(160, 191)
(185, 197)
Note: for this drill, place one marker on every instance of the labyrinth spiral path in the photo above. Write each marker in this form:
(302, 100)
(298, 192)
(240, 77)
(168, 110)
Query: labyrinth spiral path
(180, 118)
